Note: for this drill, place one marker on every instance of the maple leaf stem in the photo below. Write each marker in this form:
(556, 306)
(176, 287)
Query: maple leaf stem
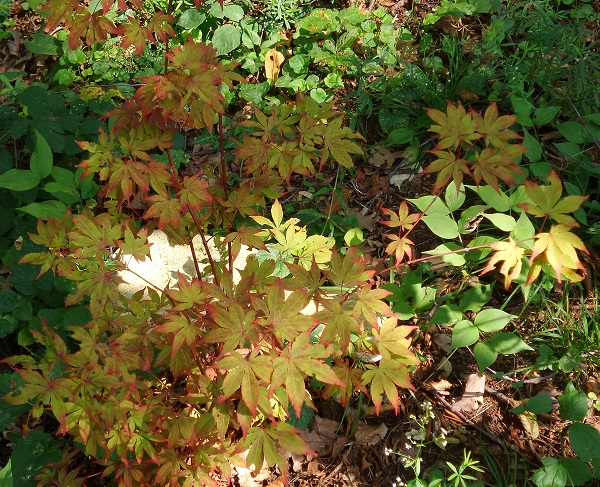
(206, 249)
(224, 179)
(168, 12)
(195, 258)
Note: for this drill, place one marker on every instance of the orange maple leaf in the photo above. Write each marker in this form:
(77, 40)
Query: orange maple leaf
(454, 127)
(512, 255)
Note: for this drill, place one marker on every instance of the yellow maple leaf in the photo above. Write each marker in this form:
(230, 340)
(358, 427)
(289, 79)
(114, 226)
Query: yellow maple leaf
(512, 255)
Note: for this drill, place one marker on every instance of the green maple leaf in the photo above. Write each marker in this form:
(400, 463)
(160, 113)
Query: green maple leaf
(547, 203)
(384, 379)
(454, 127)
(93, 237)
(136, 246)
(185, 331)
(246, 373)
(189, 293)
(351, 377)
(94, 27)
(134, 34)
(559, 247)
(449, 167)
(495, 129)
(494, 163)
(299, 360)
(194, 194)
(159, 26)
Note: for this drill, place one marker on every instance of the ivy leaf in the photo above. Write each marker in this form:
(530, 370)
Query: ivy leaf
(559, 247)
(512, 255)
(385, 379)
(546, 202)
(454, 127)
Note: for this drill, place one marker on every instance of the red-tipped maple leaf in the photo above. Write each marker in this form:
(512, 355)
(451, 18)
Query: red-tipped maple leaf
(134, 34)
(449, 167)
(92, 27)
(547, 202)
(512, 255)
(401, 219)
(494, 163)
(400, 246)
(385, 378)
(495, 129)
(454, 127)
(168, 210)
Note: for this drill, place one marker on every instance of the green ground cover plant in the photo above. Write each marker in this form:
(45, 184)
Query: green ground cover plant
(170, 386)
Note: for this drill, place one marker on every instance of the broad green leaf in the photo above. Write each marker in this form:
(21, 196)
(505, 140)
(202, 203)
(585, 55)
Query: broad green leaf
(497, 200)
(447, 315)
(544, 115)
(507, 343)
(46, 209)
(354, 236)
(579, 472)
(524, 232)
(433, 205)
(454, 199)
(464, 334)
(475, 298)
(191, 18)
(585, 440)
(534, 149)
(506, 223)
(539, 404)
(573, 404)
(492, 320)
(31, 454)
(19, 180)
(552, 474)
(484, 355)
(573, 132)
(448, 255)
(6, 479)
(41, 158)
(43, 44)
(441, 225)
(226, 38)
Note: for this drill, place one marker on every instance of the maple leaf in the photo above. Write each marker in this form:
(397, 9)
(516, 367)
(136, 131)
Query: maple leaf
(94, 236)
(495, 129)
(189, 293)
(454, 127)
(385, 378)
(348, 270)
(136, 246)
(159, 25)
(244, 374)
(301, 359)
(401, 219)
(236, 328)
(493, 164)
(512, 255)
(126, 176)
(184, 330)
(369, 302)
(351, 377)
(244, 200)
(134, 34)
(449, 167)
(339, 324)
(93, 27)
(559, 246)
(283, 315)
(400, 246)
(193, 193)
(393, 340)
(337, 142)
(167, 209)
(547, 203)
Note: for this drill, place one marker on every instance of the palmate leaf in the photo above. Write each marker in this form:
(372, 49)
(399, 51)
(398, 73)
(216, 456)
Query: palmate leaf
(399, 247)
(547, 203)
(449, 167)
(339, 324)
(337, 142)
(559, 247)
(512, 255)
(393, 342)
(494, 163)
(168, 210)
(401, 219)
(134, 34)
(348, 270)
(93, 27)
(299, 360)
(235, 328)
(454, 127)
(495, 129)
(385, 378)
(369, 303)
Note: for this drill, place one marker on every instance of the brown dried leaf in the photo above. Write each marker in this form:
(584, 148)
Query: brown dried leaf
(369, 435)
